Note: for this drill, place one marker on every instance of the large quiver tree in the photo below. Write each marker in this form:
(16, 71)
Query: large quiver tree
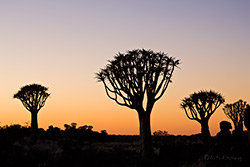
(137, 79)
(33, 98)
(200, 107)
(235, 112)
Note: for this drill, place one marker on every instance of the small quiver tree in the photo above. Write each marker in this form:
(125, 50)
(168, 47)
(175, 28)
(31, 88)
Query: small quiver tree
(235, 112)
(33, 98)
(200, 107)
(247, 120)
(137, 79)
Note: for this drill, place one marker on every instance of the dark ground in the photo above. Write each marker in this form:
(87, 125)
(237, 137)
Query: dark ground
(84, 147)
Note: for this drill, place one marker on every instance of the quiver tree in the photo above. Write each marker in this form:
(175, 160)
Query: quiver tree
(200, 107)
(33, 98)
(137, 79)
(235, 112)
(247, 120)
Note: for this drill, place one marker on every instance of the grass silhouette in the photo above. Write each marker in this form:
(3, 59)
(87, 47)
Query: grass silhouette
(80, 146)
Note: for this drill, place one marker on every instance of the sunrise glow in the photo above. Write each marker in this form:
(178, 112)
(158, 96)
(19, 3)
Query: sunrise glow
(62, 44)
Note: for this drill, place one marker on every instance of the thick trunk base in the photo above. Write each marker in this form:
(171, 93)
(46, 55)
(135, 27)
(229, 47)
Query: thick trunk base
(205, 133)
(34, 125)
(248, 131)
(146, 148)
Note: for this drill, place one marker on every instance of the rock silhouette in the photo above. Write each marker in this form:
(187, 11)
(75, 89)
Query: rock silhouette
(224, 137)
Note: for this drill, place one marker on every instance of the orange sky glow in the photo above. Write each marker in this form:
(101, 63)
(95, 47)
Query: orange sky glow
(62, 44)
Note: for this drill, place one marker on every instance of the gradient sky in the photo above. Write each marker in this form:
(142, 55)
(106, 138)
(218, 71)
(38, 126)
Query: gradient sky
(61, 44)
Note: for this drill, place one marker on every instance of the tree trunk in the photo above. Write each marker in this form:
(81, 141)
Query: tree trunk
(235, 125)
(248, 131)
(238, 126)
(205, 133)
(34, 125)
(145, 137)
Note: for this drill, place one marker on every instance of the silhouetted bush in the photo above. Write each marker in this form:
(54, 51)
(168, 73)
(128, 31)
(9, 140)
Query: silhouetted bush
(81, 146)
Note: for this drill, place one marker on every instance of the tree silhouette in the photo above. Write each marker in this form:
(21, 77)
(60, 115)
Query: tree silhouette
(235, 112)
(137, 79)
(247, 120)
(200, 107)
(247, 117)
(33, 98)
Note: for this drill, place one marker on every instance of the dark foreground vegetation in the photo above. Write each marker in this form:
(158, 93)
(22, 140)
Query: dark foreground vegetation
(78, 147)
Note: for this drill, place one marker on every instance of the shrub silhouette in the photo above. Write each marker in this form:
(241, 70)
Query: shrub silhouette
(137, 79)
(235, 112)
(53, 132)
(13, 132)
(200, 107)
(33, 98)
(160, 133)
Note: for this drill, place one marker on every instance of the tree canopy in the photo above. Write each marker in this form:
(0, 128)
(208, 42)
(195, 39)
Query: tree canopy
(202, 105)
(235, 112)
(32, 96)
(137, 74)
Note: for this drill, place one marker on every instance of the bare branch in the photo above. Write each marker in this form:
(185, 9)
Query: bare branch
(200, 105)
(235, 112)
(32, 96)
(135, 74)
